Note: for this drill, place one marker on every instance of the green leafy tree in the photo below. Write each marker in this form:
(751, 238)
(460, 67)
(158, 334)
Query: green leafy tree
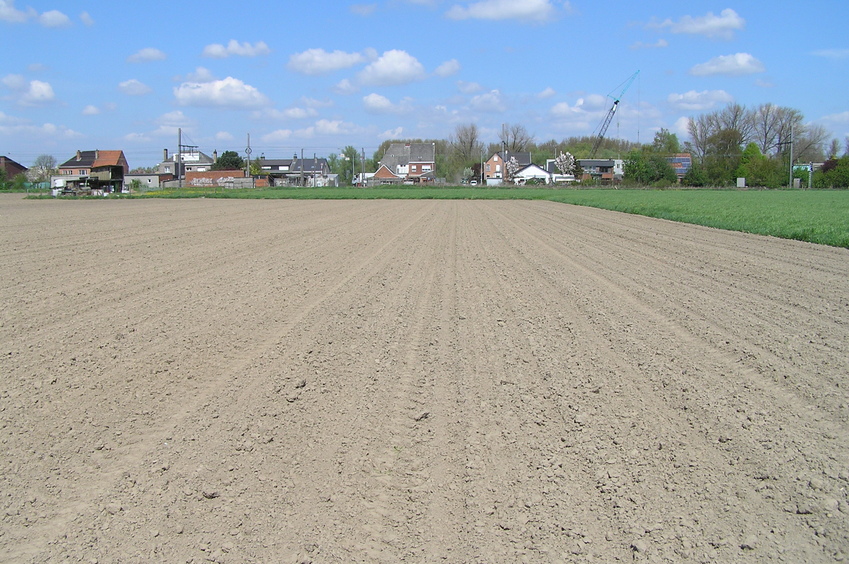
(722, 157)
(348, 165)
(758, 169)
(665, 143)
(834, 174)
(695, 177)
(228, 160)
(648, 168)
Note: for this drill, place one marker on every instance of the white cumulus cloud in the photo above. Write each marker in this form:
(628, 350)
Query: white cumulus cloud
(147, 54)
(547, 93)
(277, 136)
(134, 87)
(54, 18)
(731, 65)
(396, 133)
(344, 87)
(377, 103)
(218, 51)
(535, 11)
(491, 101)
(14, 81)
(227, 93)
(722, 26)
(393, 68)
(38, 92)
(835, 54)
(28, 93)
(10, 14)
(699, 101)
(448, 68)
(319, 61)
(468, 87)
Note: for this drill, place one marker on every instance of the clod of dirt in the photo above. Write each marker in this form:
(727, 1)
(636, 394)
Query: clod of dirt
(749, 543)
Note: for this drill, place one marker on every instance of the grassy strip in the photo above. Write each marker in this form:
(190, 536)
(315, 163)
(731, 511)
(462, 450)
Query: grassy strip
(816, 216)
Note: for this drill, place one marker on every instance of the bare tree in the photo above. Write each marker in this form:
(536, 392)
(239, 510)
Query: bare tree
(833, 149)
(737, 118)
(809, 143)
(466, 143)
(42, 168)
(515, 138)
(789, 125)
(766, 125)
(701, 129)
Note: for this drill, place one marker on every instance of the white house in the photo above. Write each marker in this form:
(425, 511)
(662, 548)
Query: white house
(532, 172)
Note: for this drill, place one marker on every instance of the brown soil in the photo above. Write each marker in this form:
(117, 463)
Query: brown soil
(385, 381)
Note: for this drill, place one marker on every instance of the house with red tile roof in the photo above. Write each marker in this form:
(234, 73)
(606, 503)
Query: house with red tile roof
(92, 171)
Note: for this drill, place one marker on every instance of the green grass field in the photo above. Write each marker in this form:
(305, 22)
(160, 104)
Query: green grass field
(816, 216)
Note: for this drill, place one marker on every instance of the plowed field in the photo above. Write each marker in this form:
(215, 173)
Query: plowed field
(419, 381)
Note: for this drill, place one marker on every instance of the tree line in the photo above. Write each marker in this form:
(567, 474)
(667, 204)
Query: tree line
(758, 144)
(732, 142)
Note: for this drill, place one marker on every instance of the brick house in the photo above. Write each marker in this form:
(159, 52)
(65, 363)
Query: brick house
(11, 168)
(494, 169)
(408, 163)
(93, 171)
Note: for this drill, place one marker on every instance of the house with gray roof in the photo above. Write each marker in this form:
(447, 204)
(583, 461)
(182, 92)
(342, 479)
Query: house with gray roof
(407, 163)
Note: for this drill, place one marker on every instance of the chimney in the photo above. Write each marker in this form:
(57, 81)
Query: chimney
(79, 155)
(215, 155)
(96, 155)
(164, 154)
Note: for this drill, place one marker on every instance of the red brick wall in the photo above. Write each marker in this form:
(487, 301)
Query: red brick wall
(212, 177)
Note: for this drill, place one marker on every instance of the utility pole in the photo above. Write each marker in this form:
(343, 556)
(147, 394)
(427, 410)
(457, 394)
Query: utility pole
(179, 157)
(791, 157)
(248, 160)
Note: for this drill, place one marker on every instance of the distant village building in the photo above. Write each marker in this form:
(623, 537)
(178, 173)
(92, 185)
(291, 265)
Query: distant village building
(407, 163)
(311, 171)
(495, 168)
(602, 170)
(11, 168)
(179, 164)
(681, 164)
(92, 171)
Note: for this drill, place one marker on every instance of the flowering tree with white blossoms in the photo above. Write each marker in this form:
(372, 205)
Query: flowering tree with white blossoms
(512, 167)
(565, 163)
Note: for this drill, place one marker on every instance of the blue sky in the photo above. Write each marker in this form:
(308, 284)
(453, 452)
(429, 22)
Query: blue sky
(321, 75)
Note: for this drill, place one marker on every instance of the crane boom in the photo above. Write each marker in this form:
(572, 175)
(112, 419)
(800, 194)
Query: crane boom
(609, 117)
